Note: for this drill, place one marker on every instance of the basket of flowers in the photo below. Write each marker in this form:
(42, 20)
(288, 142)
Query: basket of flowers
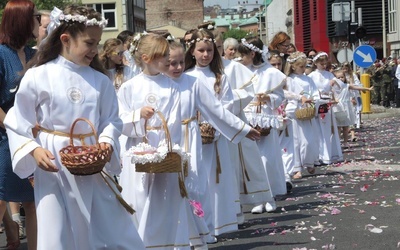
(207, 132)
(166, 158)
(305, 113)
(84, 159)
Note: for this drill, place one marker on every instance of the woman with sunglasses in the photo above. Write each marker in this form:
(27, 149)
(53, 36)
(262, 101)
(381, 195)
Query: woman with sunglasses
(111, 56)
(281, 43)
(19, 25)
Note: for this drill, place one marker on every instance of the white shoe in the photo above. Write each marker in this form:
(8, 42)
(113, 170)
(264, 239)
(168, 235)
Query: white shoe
(258, 209)
(212, 240)
(270, 206)
(201, 247)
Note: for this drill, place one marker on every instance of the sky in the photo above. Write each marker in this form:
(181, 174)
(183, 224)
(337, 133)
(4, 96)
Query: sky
(225, 3)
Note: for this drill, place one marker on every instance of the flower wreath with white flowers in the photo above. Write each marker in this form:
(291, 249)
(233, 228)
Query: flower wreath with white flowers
(319, 55)
(135, 42)
(204, 39)
(264, 52)
(57, 16)
(292, 60)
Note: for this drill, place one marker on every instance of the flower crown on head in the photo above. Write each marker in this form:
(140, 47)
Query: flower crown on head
(135, 42)
(292, 60)
(319, 55)
(57, 16)
(204, 39)
(264, 52)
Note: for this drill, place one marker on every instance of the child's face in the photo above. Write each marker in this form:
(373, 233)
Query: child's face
(158, 65)
(299, 68)
(203, 53)
(276, 62)
(247, 59)
(340, 76)
(176, 62)
(117, 54)
(82, 49)
(321, 65)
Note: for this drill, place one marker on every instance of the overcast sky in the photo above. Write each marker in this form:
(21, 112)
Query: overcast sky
(229, 3)
(224, 3)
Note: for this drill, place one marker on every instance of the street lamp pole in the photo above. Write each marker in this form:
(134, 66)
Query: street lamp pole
(383, 28)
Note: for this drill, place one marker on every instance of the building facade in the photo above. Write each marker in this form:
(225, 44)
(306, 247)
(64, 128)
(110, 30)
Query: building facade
(185, 14)
(393, 36)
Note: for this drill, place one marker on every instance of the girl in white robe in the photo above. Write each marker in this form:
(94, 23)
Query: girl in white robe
(111, 57)
(329, 144)
(203, 62)
(195, 96)
(301, 91)
(68, 82)
(161, 208)
(269, 96)
(254, 188)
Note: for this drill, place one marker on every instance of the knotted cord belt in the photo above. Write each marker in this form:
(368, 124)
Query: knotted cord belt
(81, 137)
(186, 123)
(243, 167)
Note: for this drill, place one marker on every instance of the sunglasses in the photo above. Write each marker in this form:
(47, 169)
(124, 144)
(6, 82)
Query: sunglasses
(119, 53)
(38, 17)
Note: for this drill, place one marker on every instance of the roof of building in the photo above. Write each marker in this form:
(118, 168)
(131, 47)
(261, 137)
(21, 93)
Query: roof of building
(175, 31)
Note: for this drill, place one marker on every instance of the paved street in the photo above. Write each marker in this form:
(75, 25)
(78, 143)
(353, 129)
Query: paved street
(353, 205)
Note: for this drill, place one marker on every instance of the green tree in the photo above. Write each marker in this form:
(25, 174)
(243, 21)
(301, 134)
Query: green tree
(235, 33)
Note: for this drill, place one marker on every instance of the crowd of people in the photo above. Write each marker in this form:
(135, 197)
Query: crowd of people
(251, 116)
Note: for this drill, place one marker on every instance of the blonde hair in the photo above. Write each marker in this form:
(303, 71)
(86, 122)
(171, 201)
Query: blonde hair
(104, 56)
(294, 59)
(153, 45)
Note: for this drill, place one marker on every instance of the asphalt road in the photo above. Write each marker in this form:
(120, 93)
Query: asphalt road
(352, 205)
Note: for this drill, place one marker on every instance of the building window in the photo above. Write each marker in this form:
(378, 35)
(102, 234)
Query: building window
(108, 11)
(392, 8)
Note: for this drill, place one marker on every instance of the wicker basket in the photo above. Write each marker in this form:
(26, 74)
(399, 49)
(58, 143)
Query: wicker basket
(305, 113)
(85, 159)
(172, 163)
(207, 132)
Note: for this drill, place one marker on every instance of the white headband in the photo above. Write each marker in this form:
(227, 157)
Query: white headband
(319, 55)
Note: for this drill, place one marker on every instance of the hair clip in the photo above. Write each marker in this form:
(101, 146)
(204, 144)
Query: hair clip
(135, 41)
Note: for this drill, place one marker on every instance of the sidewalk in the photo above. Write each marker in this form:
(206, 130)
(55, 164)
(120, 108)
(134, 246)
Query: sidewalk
(381, 112)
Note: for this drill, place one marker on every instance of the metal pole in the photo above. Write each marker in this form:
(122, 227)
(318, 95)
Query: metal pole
(359, 41)
(353, 20)
(266, 24)
(384, 28)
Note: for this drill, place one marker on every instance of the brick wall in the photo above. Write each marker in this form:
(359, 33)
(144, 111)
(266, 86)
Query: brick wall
(185, 14)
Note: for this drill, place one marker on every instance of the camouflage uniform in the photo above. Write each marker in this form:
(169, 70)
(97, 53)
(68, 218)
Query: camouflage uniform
(386, 88)
(376, 81)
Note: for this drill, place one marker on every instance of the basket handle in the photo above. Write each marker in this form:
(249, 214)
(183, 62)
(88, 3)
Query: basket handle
(71, 137)
(166, 130)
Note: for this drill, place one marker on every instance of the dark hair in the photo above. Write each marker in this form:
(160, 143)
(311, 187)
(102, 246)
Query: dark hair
(51, 47)
(17, 23)
(123, 35)
(311, 50)
(242, 49)
(216, 63)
